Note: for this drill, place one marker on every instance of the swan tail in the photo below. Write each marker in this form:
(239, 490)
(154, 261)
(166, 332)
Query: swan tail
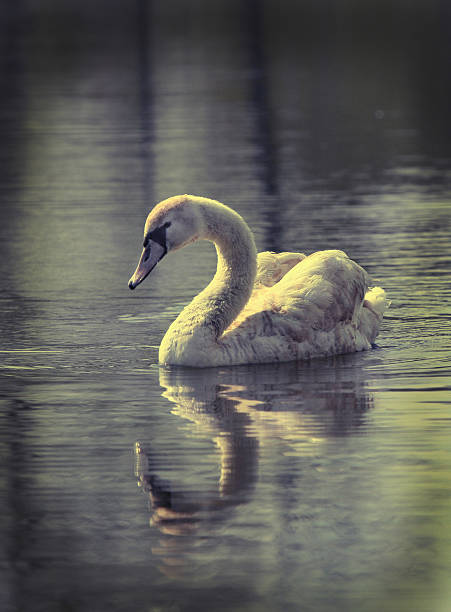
(376, 301)
(374, 306)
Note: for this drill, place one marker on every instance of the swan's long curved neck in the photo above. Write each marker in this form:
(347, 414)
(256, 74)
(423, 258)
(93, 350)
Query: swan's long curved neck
(203, 321)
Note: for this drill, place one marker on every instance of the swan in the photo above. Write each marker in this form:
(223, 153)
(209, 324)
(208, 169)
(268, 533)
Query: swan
(260, 308)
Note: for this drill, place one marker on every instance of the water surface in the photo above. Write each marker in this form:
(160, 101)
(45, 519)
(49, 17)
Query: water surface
(312, 486)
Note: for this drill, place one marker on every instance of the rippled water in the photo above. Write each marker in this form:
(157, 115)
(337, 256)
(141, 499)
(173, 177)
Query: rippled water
(314, 486)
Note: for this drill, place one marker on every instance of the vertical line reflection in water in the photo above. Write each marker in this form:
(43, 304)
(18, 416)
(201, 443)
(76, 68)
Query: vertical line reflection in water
(12, 119)
(253, 19)
(19, 532)
(15, 533)
(143, 9)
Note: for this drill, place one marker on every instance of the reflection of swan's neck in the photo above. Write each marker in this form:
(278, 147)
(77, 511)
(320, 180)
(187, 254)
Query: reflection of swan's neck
(203, 321)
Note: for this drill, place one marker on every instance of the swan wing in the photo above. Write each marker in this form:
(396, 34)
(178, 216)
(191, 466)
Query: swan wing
(323, 290)
(271, 267)
(315, 309)
(318, 292)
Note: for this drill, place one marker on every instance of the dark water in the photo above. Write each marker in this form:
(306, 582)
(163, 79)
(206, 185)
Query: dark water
(317, 486)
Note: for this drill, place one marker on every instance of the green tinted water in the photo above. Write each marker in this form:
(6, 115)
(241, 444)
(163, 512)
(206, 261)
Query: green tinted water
(313, 486)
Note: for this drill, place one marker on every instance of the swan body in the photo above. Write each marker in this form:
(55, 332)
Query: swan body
(258, 308)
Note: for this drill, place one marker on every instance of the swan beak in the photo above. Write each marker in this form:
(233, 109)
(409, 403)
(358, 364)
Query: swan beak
(150, 256)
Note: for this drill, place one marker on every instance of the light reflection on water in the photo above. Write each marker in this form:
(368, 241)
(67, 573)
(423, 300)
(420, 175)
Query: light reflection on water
(317, 486)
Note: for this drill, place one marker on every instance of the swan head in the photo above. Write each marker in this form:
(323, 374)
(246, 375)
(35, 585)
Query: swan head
(171, 225)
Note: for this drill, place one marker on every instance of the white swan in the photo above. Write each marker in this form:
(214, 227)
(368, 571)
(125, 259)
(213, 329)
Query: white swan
(258, 309)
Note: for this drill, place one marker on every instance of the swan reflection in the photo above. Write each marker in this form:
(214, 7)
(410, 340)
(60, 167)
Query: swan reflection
(244, 411)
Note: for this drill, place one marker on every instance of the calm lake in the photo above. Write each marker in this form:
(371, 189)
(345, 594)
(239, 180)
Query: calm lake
(320, 486)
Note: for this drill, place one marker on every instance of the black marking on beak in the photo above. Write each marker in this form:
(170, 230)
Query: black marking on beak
(159, 236)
